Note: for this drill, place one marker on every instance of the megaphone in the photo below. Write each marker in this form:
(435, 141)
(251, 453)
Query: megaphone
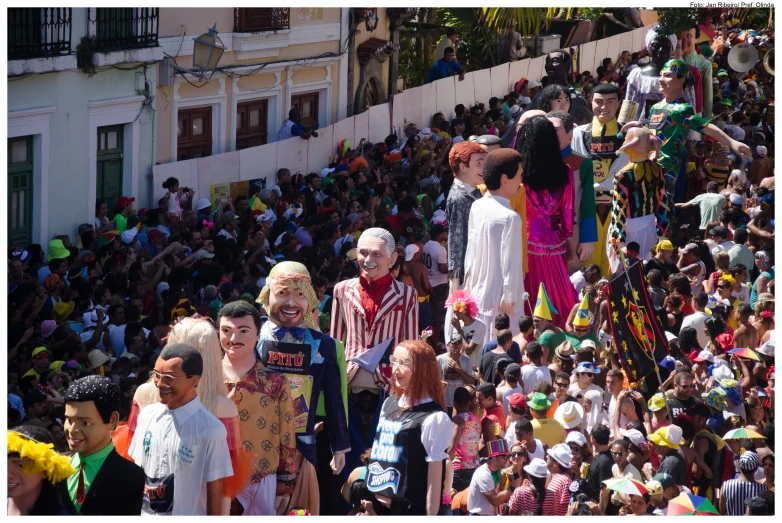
(742, 58)
(768, 62)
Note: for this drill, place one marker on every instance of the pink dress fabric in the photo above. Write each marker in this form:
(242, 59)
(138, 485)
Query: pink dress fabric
(549, 224)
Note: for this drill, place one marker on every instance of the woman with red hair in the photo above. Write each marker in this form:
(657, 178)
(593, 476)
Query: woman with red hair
(406, 466)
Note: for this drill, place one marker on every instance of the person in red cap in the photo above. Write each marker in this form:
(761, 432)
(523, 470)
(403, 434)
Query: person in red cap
(124, 208)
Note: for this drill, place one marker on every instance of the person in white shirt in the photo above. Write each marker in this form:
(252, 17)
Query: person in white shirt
(491, 264)
(483, 498)
(697, 320)
(181, 446)
(720, 236)
(436, 260)
(536, 371)
(585, 378)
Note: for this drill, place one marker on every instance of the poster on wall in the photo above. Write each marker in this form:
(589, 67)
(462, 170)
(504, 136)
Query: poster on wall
(239, 189)
(219, 194)
(257, 182)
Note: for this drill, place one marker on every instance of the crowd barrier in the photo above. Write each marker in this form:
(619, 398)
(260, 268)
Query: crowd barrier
(215, 176)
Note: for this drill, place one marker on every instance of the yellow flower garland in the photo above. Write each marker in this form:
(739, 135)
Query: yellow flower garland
(42, 457)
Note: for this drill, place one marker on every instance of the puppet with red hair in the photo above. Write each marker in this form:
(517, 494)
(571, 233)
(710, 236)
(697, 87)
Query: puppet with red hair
(405, 471)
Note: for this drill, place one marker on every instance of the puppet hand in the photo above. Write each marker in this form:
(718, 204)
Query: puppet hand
(585, 251)
(338, 462)
(507, 308)
(743, 149)
(280, 504)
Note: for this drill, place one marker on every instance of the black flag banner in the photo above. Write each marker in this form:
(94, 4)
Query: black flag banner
(639, 340)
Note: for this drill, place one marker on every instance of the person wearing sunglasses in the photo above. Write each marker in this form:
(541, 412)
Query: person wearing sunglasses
(681, 398)
(622, 468)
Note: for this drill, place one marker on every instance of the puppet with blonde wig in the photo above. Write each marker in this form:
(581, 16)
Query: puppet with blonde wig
(466, 159)
(290, 343)
(199, 333)
(640, 209)
(405, 471)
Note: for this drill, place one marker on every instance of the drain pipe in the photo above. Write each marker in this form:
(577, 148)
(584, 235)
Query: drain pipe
(351, 59)
(154, 148)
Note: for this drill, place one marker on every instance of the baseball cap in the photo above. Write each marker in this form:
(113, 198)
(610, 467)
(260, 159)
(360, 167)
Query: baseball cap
(736, 199)
(410, 251)
(705, 355)
(665, 480)
(757, 506)
(201, 254)
(155, 234)
(635, 436)
(48, 326)
(534, 83)
(517, 400)
(129, 235)
(526, 100)
(455, 338)
(665, 245)
(39, 350)
(513, 370)
(655, 488)
(690, 248)
(669, 363)
(761, 150)
(325, 172)
(124, 201)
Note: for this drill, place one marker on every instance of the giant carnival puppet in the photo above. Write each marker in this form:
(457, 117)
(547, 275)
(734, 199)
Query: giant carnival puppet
(371, 313)
(558, 68)
(289, 343)
(673, 118)
(640, 204)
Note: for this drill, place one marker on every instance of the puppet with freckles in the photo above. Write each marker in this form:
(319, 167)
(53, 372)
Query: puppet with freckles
(289, 343)
(640, 204)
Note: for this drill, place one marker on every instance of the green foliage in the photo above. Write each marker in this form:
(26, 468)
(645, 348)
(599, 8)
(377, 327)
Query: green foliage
(675, 20)
(591, 13)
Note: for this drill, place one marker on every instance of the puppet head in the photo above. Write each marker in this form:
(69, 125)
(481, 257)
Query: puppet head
(558, 66)
(639, 142)
(92, 407)
(466, 159)
(288, 295)
(675, 76)
(463, 304)
(376, 253)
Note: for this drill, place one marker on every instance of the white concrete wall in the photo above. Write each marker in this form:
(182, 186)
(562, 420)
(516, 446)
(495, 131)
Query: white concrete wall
(65, 177)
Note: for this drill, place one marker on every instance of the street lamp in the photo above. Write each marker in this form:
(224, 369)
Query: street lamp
(207, 51)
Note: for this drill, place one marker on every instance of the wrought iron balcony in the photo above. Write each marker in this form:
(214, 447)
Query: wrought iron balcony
(122, 28)
(255, 20)
(39, 31)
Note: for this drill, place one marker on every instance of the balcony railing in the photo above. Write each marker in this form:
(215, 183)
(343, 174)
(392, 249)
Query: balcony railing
(255, 20)
(122, 28)
(39, 31)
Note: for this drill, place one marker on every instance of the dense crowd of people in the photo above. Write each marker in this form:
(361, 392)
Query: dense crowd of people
(366, 339)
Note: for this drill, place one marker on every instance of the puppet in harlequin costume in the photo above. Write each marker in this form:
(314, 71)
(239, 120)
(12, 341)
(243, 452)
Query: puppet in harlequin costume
(103, 483)
(584, 225)
(200, 334)
(466, 159)
(367, 311)
(289, 342)
(640, 206)
(673, 118)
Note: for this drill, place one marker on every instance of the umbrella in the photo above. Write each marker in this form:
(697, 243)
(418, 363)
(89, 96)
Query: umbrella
(626, 486)
(746, 353)
(691, 505)
(742, 434)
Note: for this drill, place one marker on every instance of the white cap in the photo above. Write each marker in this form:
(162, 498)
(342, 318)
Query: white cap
(203, 203)
(576, 437)
(670, 336)
(635, 436)
(761, 150)
(532, 84)
(705, 355)
(561, 453)
(128, 235)
(426, 131)
(266, 216)
(410, 251)
(736, 199)
(526, 100)
(722, 372)
(588, 344)
(325, 172)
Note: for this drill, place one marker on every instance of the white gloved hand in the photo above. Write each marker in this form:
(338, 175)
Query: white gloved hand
(585, 251)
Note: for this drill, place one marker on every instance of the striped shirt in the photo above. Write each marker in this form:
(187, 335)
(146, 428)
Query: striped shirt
(557, 496)
(523, 502)
(397, 316)
(735, 491)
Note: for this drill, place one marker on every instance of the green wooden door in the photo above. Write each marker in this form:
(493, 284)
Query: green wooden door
(20, 191)
(110, 140)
